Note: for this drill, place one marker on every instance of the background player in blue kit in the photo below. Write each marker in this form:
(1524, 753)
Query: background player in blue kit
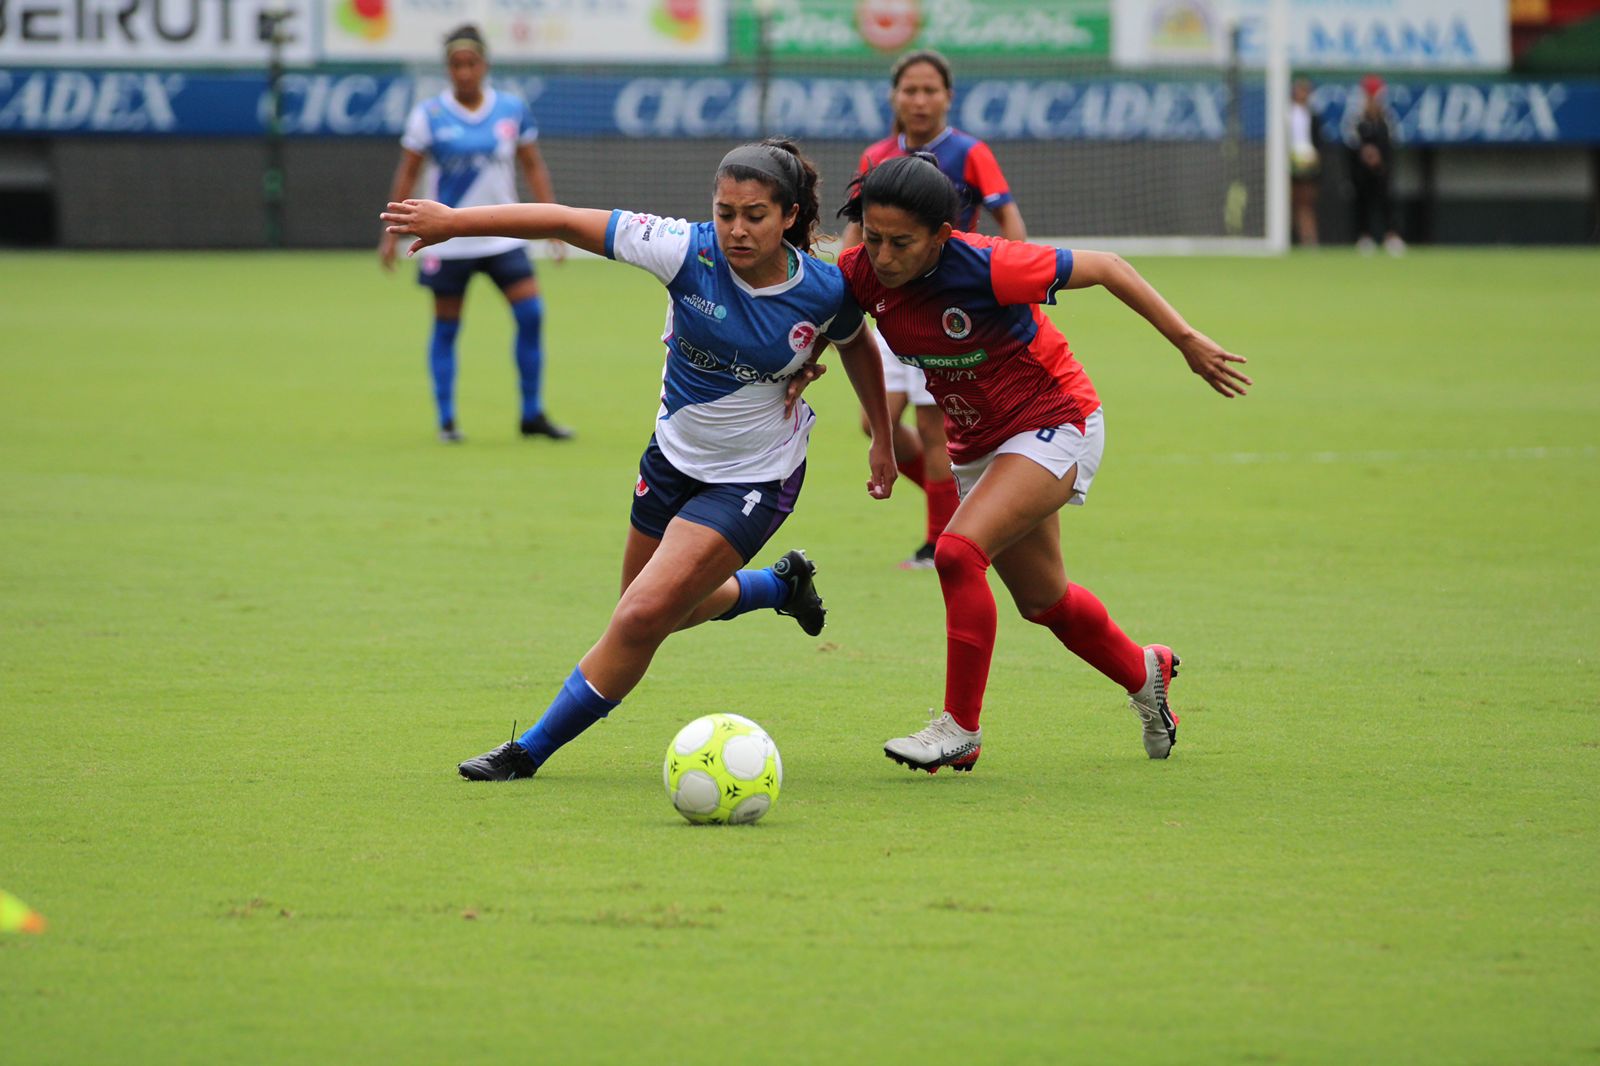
(475, 139)
(749, 308)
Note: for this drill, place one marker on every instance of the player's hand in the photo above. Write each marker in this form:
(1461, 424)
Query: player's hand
(797, 384)
(426, 220)
(386, 249)
(1206, 358)
(881, 459)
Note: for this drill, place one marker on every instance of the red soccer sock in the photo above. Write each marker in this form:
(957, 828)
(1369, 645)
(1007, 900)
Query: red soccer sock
(914, 470)
(942, 503)
(969, 622)
(1079, 620)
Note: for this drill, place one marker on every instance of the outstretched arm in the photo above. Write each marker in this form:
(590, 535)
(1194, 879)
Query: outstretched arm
(1205, 356)
(865, 370)
(432, 222)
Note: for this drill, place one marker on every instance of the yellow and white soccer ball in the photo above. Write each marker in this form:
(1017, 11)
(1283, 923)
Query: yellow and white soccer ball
(722, 768)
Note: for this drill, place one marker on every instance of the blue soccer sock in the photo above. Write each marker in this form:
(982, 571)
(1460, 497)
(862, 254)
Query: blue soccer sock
(529, 314)
(442, 363)
(757, 589)
(576, 707)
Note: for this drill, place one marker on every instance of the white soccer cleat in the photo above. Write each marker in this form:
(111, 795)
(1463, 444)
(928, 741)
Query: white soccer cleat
(941, 743)
(1150, 702)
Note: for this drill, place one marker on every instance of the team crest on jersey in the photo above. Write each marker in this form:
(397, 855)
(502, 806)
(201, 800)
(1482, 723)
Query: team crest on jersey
(802, 336)
(957, 323)
(640, 488)
(505, 129)
(704, 256)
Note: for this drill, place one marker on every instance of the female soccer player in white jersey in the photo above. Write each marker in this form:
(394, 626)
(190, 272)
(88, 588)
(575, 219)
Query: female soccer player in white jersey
(748, 309)
(475, 139)
(1026, 434)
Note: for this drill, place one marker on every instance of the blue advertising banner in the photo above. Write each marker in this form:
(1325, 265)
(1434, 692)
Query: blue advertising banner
(316, 104)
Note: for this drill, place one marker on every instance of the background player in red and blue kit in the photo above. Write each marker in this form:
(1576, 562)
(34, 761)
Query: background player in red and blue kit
(921, 90)
(1026, 434)
(748, 310)
(474, 139)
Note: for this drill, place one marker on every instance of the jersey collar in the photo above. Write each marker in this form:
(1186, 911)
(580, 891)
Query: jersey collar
(462, 113)
(931, 145)
(782, 286)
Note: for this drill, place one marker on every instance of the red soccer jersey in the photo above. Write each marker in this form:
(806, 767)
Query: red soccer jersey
(995, 363)
(965, 160)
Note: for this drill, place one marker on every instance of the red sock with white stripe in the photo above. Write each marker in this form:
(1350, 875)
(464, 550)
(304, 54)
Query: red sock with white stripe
(1080, 621)
(969, 622)
(942, 503)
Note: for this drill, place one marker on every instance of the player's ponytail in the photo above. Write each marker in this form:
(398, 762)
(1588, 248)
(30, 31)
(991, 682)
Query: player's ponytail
(913, 183)
(793, 179)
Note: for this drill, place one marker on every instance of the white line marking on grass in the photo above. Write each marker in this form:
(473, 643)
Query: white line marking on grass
(1418, 455)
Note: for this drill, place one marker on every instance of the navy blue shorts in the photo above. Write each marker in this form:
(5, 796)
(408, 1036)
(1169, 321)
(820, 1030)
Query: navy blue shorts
(449, 277)
(746, 513)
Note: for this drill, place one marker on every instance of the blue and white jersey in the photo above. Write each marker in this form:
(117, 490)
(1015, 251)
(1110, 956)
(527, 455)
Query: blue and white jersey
(731, 349)
(472, 158)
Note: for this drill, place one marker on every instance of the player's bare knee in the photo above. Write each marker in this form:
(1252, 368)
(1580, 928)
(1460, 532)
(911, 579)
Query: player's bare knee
(645, 619)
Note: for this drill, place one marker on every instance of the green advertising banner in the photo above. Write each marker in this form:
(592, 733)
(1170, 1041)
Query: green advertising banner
(874, 29)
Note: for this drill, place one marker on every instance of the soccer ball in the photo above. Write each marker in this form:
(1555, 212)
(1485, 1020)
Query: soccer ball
(722, 768)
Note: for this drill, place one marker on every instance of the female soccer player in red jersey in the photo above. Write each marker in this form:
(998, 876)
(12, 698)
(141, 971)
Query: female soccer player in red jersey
(921, 89)
(1026, 433)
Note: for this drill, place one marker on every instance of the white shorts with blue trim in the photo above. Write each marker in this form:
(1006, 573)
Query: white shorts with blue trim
(1057, 450)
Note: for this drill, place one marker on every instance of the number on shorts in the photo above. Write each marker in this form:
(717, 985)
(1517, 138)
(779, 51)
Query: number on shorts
(751, 498)
(1046, 435)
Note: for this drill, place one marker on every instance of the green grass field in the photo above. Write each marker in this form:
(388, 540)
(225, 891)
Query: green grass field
(252, 614)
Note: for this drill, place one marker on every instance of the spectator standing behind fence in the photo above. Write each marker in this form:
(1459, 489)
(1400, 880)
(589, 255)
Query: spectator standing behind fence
(476, 139)
(1305, 162)
(1372, 172)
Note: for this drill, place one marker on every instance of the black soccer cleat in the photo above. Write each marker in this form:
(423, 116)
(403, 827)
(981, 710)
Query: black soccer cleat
(449, 434)
(508, 762)
(804, 605)
(541, 426)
